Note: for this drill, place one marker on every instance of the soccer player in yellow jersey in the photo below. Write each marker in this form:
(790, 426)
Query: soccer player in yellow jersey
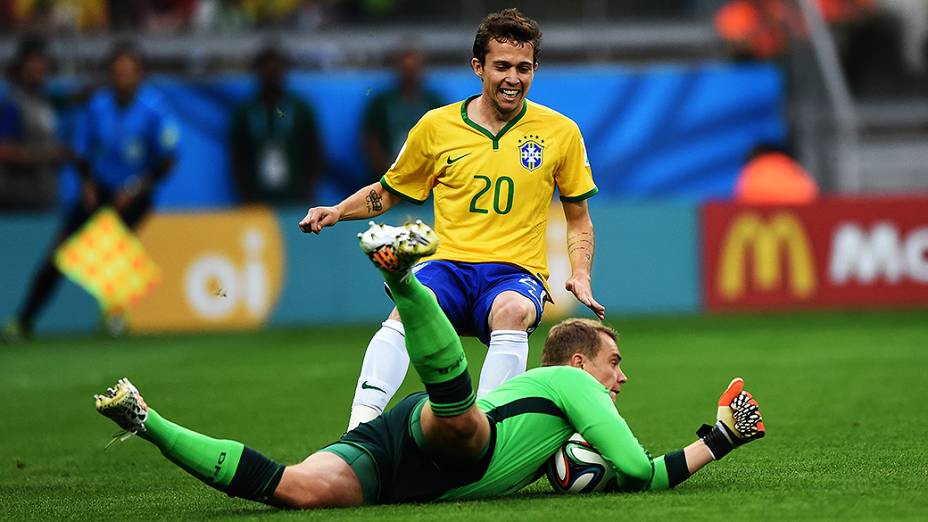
(492, 162)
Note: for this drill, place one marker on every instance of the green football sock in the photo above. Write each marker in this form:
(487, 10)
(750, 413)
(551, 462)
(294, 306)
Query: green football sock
(226, 465)
(213, 461)
(434, 347)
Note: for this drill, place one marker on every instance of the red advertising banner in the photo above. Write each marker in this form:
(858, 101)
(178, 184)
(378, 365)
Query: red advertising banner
(841, 252)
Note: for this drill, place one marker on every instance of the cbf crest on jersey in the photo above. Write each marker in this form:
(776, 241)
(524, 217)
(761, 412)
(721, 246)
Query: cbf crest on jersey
(531, 152)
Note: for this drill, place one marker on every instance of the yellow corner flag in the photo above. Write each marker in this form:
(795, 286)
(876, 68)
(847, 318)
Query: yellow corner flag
(108, 261)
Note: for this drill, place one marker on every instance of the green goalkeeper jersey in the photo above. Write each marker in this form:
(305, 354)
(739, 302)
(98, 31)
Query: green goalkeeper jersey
(536, 412)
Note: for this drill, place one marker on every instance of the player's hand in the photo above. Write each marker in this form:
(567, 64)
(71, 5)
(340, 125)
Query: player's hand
(318, 218)
(121, 201)
(89, 194)
(579, 285)
(740, 413)
(738, 421)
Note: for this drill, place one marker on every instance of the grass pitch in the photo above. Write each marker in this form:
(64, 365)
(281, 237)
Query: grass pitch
(843, 397)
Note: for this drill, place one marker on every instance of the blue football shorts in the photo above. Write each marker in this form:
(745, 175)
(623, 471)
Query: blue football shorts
(466, 291)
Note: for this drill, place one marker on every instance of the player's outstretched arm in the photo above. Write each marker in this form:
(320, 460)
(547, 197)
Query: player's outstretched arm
(372, 200)
(738, 422)
(580, 248)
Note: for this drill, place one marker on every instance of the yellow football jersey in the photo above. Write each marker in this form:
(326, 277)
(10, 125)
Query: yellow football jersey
(492, 193)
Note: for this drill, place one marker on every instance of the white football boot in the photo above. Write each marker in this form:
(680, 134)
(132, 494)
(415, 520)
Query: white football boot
(397, 249)
(124, 405)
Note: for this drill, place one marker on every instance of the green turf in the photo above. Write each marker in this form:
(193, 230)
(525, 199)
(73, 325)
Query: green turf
(843, 394)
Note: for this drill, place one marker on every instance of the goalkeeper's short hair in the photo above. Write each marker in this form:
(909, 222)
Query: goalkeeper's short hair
(574, 336)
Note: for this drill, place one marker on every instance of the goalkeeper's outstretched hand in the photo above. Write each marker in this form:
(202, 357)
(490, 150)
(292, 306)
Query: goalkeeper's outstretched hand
(738, 421)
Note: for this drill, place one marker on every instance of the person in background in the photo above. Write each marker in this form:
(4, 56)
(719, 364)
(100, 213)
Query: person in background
(50, 17)
(30, 151)
(772, 177)
(126, 147)
(391, 113)
(275, 151)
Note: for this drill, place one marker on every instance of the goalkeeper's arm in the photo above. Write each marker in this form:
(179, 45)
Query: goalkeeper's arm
(738, 422)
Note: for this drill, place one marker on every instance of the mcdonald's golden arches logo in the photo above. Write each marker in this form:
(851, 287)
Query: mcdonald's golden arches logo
(766, 240)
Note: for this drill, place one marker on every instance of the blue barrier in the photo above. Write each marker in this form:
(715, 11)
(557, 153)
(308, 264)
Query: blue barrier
(647, 257)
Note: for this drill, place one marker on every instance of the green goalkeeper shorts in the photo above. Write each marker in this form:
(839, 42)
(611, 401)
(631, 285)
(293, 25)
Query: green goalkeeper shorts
(393, 468)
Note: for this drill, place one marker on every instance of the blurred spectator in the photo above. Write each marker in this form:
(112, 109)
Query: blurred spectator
(772, 177)
(275, 152)
(911, 17)
(167, 16)
(391, 113)
(762, 29)
(889, 46)
(228, 16)
(125, 15)
(29, 148)
(268, 13)
(220, 16)
(56, 15)
(126, 147)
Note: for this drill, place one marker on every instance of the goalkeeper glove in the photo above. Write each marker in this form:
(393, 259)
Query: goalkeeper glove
(738, 421)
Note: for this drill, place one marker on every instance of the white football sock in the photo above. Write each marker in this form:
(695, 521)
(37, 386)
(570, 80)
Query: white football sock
(506, 358)
(382, 373)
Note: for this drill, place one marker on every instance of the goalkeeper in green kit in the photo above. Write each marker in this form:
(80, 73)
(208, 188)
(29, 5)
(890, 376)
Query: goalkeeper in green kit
(443, 444)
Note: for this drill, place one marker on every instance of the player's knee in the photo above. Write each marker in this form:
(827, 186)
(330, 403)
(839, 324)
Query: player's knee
(321, 496)
(318, 483)
(512, 311)
(315, 493)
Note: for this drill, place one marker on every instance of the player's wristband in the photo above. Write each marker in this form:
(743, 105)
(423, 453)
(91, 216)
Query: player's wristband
(717, 439)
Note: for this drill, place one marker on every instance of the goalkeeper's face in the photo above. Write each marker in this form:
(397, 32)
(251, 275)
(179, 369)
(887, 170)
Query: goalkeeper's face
(606, 366)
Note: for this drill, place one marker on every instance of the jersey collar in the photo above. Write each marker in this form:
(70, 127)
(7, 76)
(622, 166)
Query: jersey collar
(484, 131)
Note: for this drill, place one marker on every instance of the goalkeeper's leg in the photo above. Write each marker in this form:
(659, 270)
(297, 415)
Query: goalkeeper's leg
(322, 480)
(451, 424)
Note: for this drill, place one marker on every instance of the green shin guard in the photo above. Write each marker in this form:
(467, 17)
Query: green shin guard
(434, 347)
(226, 465)
(210, 460)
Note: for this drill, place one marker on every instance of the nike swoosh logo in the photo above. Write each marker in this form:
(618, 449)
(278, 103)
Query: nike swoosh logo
(452, 160)
(365, 386)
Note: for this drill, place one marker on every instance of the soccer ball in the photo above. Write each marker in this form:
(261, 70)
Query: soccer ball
(578, 468)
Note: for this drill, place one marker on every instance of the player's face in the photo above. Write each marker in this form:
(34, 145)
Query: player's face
(272, 73)
(126, 73)
(507, 72)
(33, 71)
(606, 366)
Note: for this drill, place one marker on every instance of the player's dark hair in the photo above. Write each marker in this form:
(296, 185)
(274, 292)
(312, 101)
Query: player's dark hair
(507, 26)
(574, 336)
(28, 46)
(125, 48)
(271, 51)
